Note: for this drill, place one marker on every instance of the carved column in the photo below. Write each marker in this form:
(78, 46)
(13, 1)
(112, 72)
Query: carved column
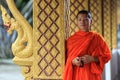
(107, 22)
(49, 37)
(96, 12)
(114, 23)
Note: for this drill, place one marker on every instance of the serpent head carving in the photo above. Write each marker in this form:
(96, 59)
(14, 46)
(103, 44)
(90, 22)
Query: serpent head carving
(23, 28)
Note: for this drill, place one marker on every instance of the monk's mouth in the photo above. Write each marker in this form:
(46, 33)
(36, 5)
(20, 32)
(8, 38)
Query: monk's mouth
(83, 25)
(6, 27)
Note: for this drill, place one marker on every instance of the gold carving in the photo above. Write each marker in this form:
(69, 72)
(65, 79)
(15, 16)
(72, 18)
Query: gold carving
(106, 22)
(95, 9)
(49, 39)
(22, 47)
(27, 72)
(114, 23)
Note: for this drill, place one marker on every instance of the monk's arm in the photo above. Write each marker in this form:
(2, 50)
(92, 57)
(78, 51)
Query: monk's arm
(87, 59)
(96, 59)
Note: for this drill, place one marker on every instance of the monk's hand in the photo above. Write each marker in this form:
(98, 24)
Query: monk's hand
(87, 59)
(76, 61)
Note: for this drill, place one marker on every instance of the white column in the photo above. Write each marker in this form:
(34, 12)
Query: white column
(108, 71)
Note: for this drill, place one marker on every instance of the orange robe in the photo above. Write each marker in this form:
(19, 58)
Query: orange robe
(86, 43)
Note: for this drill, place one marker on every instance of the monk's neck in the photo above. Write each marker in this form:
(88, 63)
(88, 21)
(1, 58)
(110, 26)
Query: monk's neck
(85, 30)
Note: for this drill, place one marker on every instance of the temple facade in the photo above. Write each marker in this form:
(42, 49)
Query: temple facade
(43, 56)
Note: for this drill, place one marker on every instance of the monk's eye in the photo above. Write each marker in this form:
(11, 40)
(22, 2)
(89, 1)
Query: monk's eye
(79, 19)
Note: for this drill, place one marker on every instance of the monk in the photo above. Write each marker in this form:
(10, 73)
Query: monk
(87, 52)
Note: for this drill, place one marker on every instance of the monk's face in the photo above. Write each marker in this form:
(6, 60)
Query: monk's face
(84, 22)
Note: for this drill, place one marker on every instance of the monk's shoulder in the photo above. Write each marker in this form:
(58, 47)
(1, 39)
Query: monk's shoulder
(71, 37)
(97, 34)
(94, 32)
(100, 36)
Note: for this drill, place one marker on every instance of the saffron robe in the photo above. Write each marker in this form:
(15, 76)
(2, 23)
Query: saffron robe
(86, 43)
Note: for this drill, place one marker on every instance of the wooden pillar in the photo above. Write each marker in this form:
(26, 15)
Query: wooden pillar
(96, 11)
(107, 33)
(107, 22)
(114, 23)
(48, 39)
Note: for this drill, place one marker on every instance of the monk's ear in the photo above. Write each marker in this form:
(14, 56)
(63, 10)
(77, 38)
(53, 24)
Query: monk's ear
(90, 21)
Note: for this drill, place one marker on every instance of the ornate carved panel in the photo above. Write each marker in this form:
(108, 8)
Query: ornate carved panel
(48, 39)
(107, 22)
(96, 11)
(114, 23)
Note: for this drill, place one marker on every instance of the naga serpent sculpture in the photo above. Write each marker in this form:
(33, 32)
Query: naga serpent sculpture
(23, 46)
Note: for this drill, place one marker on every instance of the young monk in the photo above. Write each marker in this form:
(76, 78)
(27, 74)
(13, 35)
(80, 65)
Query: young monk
(87, 52)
